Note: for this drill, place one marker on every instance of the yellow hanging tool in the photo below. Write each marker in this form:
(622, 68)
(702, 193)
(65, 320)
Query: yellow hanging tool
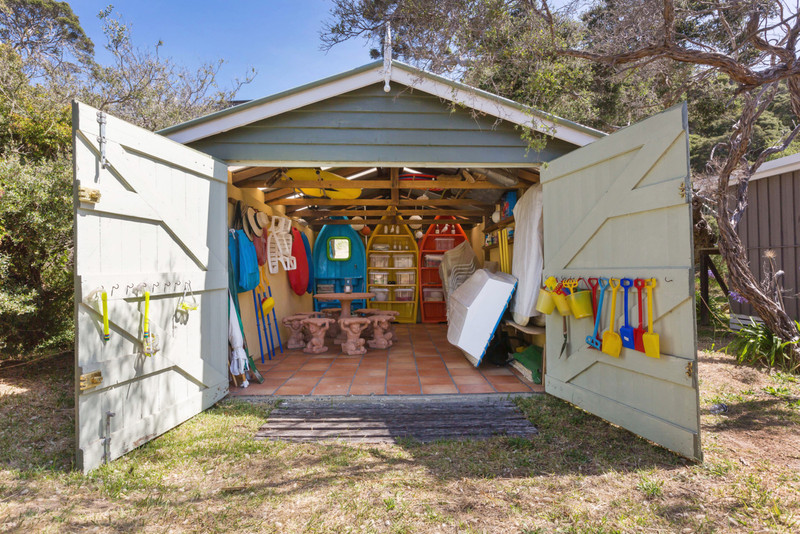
(146, 315)
(106, 331)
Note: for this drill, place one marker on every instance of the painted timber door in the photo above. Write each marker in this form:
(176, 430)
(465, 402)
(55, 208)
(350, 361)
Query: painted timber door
(150, 215)
(620, 207)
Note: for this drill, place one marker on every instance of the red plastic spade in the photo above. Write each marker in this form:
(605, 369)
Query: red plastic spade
(638, 332)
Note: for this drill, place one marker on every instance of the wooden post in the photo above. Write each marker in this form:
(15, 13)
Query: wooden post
(704, 307)
(394, 174)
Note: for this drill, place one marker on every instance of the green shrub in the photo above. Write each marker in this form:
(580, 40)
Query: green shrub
(755, 344)
(36, 289)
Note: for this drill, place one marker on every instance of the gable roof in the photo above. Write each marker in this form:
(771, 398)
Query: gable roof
(372, 73)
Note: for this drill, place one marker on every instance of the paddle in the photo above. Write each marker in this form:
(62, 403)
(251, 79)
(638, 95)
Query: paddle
(627, 331)
(612, 343)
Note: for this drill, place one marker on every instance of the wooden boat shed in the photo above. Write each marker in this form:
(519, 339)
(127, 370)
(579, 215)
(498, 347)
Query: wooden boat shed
(614, 206)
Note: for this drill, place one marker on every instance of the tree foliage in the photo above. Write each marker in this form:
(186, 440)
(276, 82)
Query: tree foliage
(46, 60)
(736, 60)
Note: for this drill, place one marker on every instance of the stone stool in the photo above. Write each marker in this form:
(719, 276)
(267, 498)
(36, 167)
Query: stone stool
(317, 326)
(295, 325)
(335, 314)
(352, 328)
(394, 314)
(381, 337)
(308, 315)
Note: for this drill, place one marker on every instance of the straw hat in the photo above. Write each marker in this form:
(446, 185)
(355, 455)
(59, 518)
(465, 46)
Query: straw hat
(255, 229)
(262, 220)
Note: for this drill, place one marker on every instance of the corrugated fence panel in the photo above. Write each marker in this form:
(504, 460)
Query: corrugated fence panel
(369, 125)
(771, 223)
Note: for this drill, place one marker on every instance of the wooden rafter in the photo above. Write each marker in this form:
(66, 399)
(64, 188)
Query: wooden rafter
(404, 212)
(373, 221)
(389, 184)
(457, 202)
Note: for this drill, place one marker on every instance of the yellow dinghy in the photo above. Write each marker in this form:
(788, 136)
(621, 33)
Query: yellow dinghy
(314, 174)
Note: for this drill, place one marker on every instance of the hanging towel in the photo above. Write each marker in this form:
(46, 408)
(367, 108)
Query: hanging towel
(528, 257)
(245, 263)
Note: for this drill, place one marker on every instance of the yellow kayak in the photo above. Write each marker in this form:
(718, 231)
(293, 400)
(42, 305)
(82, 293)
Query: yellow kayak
(314, 174)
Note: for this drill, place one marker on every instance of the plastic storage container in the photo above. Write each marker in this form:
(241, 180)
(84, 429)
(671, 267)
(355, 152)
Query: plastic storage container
(405, 261)
(430, 294)
(407, 277)
(382, 294)
(404, 294)
(433, 260)
(379, 260)
(444, 243)
(378, 277)
(326, 288)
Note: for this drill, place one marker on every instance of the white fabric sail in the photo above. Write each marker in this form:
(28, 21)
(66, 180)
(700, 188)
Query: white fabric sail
(528, 255)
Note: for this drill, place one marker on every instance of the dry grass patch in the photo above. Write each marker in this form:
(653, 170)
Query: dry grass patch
(579, 475)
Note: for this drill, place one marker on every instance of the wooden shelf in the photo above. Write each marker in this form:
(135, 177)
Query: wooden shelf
(495, 245)
(528, 329)
(502, 223)
(412, 268)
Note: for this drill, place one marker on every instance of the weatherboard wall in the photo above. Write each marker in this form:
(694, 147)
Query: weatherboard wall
(369, 126)
(772, 222)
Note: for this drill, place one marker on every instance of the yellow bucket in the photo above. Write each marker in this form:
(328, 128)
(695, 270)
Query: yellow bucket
(544, 303)
(580, 303)
(561, 303)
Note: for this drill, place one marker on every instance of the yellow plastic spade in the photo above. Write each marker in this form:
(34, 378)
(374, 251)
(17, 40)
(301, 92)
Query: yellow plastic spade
(612, 343)
(267, 304)
(106, 331)
(650, 339)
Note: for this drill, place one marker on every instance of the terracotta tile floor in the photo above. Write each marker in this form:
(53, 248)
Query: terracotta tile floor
(422, 361)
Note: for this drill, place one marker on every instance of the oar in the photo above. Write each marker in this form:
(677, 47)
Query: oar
(275, 318)
(258, 325)
(265, 322)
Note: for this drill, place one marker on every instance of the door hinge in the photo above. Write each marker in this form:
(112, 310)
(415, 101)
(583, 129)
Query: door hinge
(87, 194)
(690, 369)
(682, 190)
(91, 380)
(101, 120)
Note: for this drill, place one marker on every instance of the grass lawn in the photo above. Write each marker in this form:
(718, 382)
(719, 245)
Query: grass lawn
(579, 475)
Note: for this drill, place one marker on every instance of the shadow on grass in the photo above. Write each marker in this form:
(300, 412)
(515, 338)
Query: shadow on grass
(37, 416)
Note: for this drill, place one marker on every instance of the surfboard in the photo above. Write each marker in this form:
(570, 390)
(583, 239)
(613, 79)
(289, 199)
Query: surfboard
(309, 260)
(298, 278)
(342, 193)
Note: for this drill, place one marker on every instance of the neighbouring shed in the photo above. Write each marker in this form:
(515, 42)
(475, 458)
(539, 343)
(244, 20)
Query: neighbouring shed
(772, 222)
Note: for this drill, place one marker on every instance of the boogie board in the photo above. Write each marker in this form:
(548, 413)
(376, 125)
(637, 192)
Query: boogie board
(309, 261)
(313, 174)
(298, 278)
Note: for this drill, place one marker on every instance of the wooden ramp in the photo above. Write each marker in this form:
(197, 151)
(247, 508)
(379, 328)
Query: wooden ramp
(374, 421)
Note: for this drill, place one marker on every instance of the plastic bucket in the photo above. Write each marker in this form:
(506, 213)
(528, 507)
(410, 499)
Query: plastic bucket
(544, 303)
(562, 304)
(580, 303)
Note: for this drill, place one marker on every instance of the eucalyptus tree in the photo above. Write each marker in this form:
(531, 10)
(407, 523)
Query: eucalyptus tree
(741, 53)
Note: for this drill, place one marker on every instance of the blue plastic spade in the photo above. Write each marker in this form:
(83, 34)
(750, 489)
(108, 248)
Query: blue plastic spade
(627, 331)
(592, 340)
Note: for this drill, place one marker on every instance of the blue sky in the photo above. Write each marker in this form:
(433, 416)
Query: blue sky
(279, 38)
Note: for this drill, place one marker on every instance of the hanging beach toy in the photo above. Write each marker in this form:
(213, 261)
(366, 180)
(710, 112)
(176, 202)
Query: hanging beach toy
(106, 331)
(188, 305)
(150, 343)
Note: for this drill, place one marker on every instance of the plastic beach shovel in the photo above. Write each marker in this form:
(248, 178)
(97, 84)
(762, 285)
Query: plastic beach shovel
(627, 331)
(650, 339)
(612, 343)
(592, 340)
(638, 332)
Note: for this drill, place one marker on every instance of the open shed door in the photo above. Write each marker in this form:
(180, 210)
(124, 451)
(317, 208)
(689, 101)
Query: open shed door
(147, 211)
(620, 207)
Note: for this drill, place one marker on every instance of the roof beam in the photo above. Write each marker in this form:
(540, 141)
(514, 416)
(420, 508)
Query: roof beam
(380, 202)
(322, 222)
(389, 184)
(380, 213)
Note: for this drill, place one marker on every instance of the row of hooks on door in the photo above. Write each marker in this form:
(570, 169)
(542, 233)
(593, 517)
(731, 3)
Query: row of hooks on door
(138, 289)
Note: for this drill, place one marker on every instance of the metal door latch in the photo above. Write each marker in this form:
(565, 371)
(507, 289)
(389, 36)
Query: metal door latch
(682, 190)
(107, 438)
(101, 140)
(87, 194)
(690, 369)
(91, 380)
